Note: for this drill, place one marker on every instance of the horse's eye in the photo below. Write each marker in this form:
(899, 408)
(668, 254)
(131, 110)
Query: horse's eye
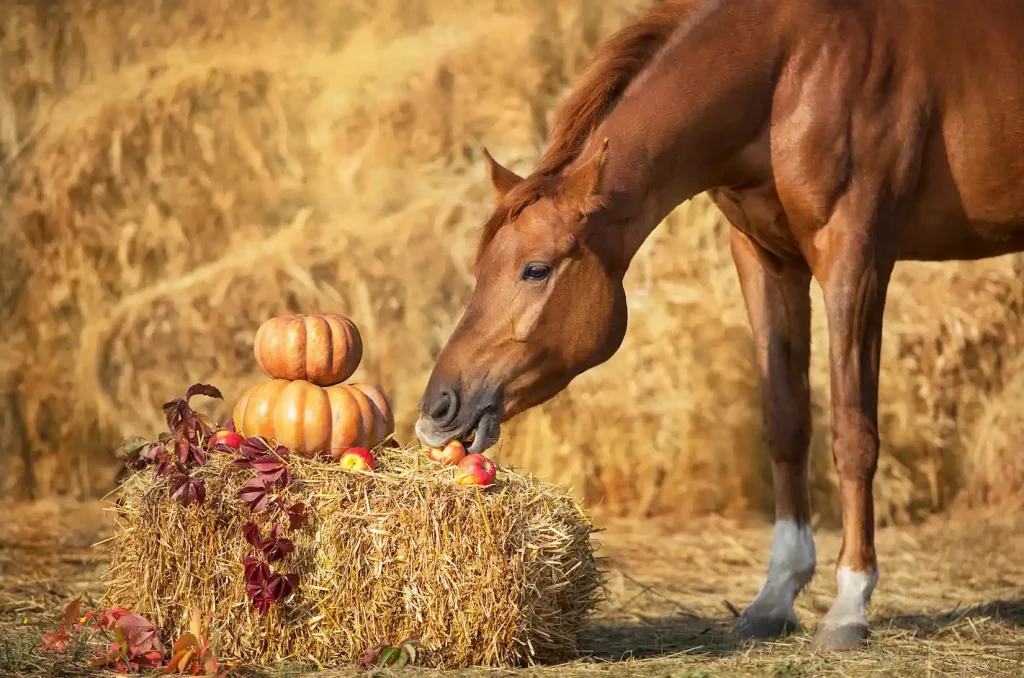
(535, 272)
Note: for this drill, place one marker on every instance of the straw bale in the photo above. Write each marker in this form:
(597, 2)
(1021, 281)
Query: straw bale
(500, 576)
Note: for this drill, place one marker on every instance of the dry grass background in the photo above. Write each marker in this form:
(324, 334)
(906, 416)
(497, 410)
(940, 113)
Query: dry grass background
(176, 171)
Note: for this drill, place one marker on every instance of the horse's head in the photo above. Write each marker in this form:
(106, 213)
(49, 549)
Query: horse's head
(548, 305)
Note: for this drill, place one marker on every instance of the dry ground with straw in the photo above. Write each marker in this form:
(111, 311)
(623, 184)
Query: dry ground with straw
(173, 173)
(949, 602)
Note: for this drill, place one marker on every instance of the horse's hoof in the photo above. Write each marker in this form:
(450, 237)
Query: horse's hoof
(840, 638)
(754, 627)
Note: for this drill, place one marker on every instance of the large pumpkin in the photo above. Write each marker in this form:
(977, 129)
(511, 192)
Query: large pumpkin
(311, 420)
(323, 349)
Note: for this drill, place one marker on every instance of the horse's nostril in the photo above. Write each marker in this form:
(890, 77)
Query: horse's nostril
(444, 407)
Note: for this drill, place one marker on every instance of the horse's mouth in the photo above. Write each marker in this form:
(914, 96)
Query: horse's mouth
(483, 433)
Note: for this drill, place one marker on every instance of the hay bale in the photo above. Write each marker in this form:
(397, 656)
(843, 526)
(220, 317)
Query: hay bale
(502, 576)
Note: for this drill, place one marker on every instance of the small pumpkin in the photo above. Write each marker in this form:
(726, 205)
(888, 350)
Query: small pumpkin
(313, 420)
(323, 349)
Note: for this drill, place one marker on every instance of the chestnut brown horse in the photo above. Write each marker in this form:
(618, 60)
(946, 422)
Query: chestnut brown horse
(838, 137)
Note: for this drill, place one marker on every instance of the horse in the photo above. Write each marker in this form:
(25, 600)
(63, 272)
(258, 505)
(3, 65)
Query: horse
(836, 137)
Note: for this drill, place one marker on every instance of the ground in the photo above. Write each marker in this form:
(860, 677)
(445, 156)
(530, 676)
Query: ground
(950, 600)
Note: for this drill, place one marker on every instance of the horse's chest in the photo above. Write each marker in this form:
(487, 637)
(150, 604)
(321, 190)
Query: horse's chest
(758, 213)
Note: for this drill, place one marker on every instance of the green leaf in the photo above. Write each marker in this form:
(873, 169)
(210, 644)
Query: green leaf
(389, 656)
(410, 649)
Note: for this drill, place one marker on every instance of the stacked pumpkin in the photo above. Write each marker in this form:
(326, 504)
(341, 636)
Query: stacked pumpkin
(306, 406)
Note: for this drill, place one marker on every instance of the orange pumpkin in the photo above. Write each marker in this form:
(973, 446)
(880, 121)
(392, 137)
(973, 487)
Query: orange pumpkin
(323, 349)
(311, 419)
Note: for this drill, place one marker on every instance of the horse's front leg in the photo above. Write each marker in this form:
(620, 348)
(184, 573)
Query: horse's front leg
(779, 309)
(853, 268)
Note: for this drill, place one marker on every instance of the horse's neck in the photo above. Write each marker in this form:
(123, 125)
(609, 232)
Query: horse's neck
(681, 125)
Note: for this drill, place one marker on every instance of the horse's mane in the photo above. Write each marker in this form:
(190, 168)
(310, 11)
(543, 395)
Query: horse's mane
(615, 64)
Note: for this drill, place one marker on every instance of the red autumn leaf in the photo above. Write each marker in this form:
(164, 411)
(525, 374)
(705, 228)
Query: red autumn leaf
(256, 571)
(83, 620)
(252, 535)
(187, 490)
(174, 412)
(203, 389)
(163, 464)
(276, 547)
(72, 611)
(56, 640)
(108, 619)
(282, 585)
(141, 635)
(267, 463)
(188, 452)
(250, 449)
(296, 515)
(260, 595)
(258, 444)
(255, 494)
(280, 478)
(230, 425)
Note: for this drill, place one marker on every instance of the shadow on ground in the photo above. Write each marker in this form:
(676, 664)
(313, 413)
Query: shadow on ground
(656, 637)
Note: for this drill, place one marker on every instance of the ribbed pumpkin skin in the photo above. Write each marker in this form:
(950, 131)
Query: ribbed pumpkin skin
(312, 420)
(323, 349)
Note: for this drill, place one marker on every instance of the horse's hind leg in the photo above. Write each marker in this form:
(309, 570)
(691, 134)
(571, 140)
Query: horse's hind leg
(779, 309)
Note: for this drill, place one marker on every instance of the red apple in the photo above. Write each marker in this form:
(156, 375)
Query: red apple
(477, 470)
(449, 455)
(226, 437)
(358, 459)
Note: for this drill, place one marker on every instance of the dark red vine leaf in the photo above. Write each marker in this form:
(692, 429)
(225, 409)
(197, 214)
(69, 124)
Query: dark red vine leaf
(203, 389)
(276, 547)
(230, 425)
(267, 463)
(283, 584)
(164, 463)
(189, 453)
(258, 444)
(263, 587)
(250, 449)
(252, 535)
(256, 571)
(175, 412)
(255, 494)
(187, 491)
(296, 515)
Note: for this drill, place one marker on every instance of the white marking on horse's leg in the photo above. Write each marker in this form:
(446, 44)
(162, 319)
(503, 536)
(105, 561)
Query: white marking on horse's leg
(850, 607)
(790, 569)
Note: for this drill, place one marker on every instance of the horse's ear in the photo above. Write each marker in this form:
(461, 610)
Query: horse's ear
(503, 179)
(580, 189)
